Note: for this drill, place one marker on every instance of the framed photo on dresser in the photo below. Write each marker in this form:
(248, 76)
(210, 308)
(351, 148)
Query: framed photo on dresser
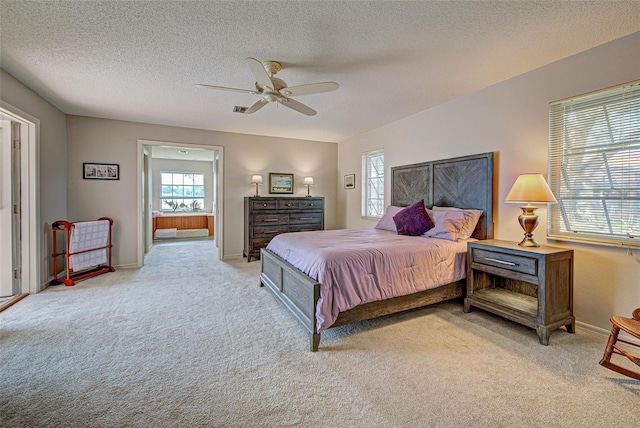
(280, 183)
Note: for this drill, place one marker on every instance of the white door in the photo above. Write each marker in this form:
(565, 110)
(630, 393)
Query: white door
(10, 243)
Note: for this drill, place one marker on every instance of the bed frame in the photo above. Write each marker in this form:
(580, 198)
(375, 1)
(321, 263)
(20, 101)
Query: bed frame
(465, 182)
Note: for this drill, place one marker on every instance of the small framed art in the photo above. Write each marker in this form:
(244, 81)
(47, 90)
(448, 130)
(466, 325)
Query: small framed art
(101, 171)
(350, 181)
(280, 183)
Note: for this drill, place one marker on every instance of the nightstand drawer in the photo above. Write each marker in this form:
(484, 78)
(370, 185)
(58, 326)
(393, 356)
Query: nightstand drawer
(513, 262)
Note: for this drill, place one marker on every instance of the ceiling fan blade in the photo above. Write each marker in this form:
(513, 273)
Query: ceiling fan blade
(259, 73)
(224, 88)
(297, 106)
(257, 106)
(312, 88)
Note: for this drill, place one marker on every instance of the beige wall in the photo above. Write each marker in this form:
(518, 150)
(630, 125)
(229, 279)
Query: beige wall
(511, 120)
(52, 161)
(112, 141)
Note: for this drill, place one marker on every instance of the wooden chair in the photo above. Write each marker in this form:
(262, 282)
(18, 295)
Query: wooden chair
(630, 326)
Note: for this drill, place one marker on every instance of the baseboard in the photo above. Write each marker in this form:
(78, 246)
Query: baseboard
(604, 334)
(596, 331)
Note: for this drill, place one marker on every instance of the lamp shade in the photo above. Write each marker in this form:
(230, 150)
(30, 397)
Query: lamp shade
(256, 179)
(308, 181)
(531, 188)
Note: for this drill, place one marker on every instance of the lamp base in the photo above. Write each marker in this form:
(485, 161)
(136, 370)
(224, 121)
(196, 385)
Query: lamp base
(308, 190)
(528, 221)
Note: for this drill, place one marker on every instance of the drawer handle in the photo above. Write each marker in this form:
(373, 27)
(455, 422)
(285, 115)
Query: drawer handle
(270, 219)
(270, 232)
(307, 230)
(305, 218)
(264, 205)
(288, 205)
(501, 261)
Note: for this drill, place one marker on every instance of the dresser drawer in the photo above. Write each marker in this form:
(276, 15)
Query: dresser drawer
(304, 227)
(269, 231)
(288, 204)
(263, 204)
(512, 262)
(311, 205)
(305, 218)
(269, 219)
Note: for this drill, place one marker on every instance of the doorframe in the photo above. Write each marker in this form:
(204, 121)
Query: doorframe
(32, 248)
(218, 214)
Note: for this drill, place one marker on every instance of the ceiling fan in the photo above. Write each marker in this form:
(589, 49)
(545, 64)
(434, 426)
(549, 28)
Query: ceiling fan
(272, 89)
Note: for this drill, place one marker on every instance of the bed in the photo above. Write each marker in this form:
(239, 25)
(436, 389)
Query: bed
(463, 182)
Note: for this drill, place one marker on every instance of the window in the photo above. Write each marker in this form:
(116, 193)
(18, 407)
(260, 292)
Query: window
(373, 184)
(594, 167)
(182, 191)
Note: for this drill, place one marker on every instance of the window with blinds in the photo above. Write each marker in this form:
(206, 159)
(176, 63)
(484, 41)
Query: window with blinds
(594, 167)
(373, 184)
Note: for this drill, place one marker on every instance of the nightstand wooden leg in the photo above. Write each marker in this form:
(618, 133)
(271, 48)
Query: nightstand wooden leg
(571, 327)
(466, 308)
(543, 335)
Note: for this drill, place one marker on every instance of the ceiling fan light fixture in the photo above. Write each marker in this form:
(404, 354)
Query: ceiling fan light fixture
(273, 89)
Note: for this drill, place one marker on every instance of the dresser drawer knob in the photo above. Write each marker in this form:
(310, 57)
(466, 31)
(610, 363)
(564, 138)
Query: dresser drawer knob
(264, 205)
(288, 205)
(500, 261)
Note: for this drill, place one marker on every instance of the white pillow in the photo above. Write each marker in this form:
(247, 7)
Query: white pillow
(448, 224)
(472, 218)
(386, 222)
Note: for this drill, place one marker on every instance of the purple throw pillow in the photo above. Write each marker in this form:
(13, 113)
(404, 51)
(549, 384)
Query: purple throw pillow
(413, 220)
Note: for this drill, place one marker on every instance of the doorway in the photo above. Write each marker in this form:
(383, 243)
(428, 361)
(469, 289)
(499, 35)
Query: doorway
(19, 263)
(147, 151)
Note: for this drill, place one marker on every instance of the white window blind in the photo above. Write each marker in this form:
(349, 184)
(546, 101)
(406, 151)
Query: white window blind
(373, 183)
(594, 167)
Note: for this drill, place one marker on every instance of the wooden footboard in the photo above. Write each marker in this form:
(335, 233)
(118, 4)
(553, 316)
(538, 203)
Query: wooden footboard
(299, 293)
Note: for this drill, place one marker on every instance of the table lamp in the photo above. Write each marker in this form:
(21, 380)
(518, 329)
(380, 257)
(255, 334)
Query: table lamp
(530, 188)
(308, 181)
(257, 180)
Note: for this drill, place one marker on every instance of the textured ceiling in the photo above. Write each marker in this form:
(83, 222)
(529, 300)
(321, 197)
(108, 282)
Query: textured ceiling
(140, 60)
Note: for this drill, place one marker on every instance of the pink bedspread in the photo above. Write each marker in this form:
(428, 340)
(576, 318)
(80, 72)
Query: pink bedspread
(356, 266)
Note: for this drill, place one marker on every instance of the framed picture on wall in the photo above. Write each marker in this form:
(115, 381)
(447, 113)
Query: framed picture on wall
(280, 183)
(101, 171)
(350, 181)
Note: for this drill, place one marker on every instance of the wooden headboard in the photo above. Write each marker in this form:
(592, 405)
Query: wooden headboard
(463, 182)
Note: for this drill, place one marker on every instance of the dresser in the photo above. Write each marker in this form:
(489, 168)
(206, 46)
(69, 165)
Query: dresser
(266, 217)
(532, 286)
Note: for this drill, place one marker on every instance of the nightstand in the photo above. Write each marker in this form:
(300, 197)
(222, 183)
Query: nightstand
(531, 286)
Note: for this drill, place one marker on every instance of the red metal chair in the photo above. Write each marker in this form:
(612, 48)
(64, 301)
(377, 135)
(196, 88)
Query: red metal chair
(632, 327)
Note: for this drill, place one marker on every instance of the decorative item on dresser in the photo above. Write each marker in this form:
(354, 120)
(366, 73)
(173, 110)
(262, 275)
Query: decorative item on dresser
(308, 181)
(266, 217)
(531, 286)
(257, 180)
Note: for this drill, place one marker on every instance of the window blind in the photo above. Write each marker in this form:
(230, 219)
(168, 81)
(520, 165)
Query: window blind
(594, 167)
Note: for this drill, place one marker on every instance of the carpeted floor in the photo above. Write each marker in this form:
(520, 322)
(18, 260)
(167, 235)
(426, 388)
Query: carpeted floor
(189, 341)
